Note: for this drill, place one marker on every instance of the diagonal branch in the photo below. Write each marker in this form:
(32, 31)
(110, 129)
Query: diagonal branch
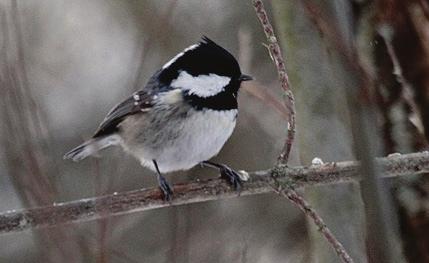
(295, 198)
(148, 199)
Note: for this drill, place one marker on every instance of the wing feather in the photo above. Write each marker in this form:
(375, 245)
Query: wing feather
(138, 103)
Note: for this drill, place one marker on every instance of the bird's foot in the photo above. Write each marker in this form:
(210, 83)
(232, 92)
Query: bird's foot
(165, 188)
(232, 177)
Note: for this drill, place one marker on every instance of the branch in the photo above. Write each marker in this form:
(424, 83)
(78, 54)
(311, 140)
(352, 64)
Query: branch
(195, 192)
(289, 190)
(277, 57)
(294, 197)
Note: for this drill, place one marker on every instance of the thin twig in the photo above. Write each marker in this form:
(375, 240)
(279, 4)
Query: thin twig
(288, 190)
(261, 93)
(148, 199)
(294, 197)
(276, 55)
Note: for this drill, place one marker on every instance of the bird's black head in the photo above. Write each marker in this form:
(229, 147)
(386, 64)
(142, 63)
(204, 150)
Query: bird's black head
(204, 70)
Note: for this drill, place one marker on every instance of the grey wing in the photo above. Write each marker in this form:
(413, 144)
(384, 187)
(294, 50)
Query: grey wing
(138, 103)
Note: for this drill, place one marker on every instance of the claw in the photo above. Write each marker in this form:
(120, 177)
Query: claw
(165, 188)
(232, 176)
(227, 173)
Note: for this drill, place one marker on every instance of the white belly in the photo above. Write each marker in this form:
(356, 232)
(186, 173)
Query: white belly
(184, 144)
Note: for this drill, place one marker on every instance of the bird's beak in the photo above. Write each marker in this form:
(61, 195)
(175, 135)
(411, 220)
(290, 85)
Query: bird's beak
(245, 77)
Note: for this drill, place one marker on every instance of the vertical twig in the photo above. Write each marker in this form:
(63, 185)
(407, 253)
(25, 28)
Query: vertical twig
(276, 55)
(253, 88)
(287, 190)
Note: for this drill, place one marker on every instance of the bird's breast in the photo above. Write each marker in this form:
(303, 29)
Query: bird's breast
(208, 129)
(201, 137)
(181, 141)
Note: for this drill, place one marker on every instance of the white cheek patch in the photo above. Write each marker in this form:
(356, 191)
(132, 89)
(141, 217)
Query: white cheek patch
(166, 65)
(202, 85)
(171, 97)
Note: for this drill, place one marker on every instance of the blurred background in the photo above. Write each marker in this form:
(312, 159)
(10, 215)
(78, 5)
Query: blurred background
(64, 64)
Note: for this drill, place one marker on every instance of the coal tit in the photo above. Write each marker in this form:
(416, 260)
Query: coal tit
(181, 118)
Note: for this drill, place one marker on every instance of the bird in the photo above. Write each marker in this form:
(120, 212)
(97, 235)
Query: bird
(182, 117)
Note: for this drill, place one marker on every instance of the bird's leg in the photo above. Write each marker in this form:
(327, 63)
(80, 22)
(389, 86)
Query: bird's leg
(227, 173)
(163, 184)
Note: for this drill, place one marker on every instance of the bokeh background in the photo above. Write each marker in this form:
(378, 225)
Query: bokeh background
(64, 64)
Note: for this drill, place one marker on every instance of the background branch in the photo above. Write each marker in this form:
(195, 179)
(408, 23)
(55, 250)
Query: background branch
(148, 199)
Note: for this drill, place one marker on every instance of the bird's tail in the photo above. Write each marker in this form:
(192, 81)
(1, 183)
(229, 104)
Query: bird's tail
(91, 147)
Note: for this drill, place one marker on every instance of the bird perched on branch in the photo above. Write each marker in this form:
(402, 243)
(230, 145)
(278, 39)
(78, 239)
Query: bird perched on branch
(182, 117)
